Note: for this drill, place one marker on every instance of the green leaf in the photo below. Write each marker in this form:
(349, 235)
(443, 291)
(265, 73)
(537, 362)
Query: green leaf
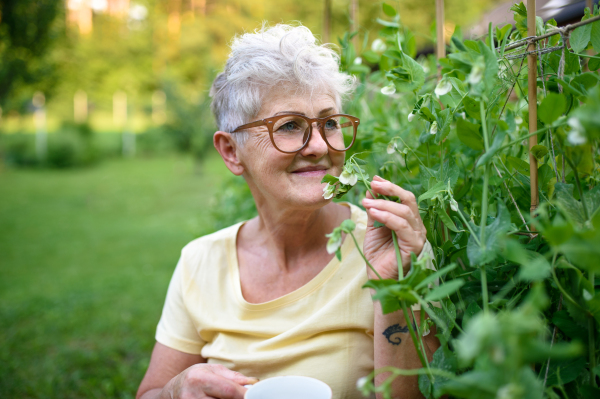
(389, 10)
(567, 325)
(496, 144)
(589, 392)
(443, 359)
(595, 36)
(446, 219)
(432, 277)
(580, 37)
(518, 164)
(444, 119)
(468, 133)
(370, 56)
(534, 266)
(539, 151)
(330, 179)
(567, 203)
(552, 107)
(594, 63)
(433, 191)
(471, 311)
(444, 290)
(482, 254)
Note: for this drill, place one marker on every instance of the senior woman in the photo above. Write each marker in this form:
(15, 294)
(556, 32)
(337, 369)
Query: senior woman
(264, 297)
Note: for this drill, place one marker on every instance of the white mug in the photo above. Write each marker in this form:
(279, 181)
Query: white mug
(289, 387)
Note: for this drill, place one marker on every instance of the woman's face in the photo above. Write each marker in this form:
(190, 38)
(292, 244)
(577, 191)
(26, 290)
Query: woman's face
(290, 180)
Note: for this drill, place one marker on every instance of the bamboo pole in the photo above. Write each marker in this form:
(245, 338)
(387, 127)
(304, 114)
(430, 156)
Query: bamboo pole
(532, 93)
(327, 21)
(439, 24)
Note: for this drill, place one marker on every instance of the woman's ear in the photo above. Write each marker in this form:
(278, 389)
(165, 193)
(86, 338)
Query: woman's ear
(228, 149)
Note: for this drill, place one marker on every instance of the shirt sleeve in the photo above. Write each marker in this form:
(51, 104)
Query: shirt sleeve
(176, 328)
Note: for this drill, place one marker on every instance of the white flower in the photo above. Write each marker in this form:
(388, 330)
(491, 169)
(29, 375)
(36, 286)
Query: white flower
(518, 120)
(357, 61)
(389, 89)
(335, 241)
(392, 147)
(328, 191)
(453, 205)
(361, 382)
(348, 178)
(576, 136)
(411, 116)
(434, 128)
(378, 46)
(476, 74)
(443, 87)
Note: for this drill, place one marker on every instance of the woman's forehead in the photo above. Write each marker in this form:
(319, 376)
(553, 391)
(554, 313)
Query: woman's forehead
(300, 103)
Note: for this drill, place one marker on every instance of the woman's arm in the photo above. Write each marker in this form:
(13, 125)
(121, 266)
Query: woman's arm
(395, 348)
(403, 218)
(173, 374)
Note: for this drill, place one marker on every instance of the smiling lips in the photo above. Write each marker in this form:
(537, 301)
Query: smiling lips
(309, 171)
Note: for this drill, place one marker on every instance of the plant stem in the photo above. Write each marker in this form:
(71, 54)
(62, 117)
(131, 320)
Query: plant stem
(484, 290)
(592, 336)
(363, 256)
(398, 256)
(420, 336)
(583, 202)
(413, 335)
(484, 208)
(464, 220)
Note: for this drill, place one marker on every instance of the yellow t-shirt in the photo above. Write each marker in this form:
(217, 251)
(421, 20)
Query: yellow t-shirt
(323, 330)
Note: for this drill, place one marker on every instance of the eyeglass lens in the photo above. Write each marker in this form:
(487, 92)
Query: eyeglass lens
(290, 133)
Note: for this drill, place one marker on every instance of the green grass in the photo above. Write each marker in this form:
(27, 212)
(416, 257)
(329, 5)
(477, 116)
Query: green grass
(85, 260)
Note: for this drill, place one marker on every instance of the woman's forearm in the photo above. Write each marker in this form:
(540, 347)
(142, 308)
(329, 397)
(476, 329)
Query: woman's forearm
(394, 347)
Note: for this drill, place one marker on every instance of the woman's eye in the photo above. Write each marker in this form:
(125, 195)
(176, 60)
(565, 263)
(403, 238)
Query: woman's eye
(331, 124)
(288, 127)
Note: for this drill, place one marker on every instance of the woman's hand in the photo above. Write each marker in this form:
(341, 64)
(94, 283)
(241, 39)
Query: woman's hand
(207, 381)
(403, 218)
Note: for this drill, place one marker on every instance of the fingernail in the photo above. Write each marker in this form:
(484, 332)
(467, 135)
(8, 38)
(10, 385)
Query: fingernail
(252, 380)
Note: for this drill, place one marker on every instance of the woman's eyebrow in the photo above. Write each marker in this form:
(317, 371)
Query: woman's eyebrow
(322, 112)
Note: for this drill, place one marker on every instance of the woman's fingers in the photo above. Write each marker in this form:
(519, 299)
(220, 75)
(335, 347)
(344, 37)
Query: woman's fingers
(387, 188)
(403, 229)
(234, 375)
(222, 387)
(395, 208)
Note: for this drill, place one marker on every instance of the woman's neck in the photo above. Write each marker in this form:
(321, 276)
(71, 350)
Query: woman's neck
(288, 236)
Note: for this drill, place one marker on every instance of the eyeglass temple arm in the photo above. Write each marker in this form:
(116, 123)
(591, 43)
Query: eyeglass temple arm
(249, 125)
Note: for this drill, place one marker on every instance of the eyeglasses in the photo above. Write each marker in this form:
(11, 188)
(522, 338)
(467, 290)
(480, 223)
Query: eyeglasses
(291, 133)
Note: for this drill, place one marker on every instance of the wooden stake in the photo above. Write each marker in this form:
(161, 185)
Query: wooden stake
(439, 24)
(532, 93)
(327, 21)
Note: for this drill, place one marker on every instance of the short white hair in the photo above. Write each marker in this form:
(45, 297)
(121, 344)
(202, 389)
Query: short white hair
(280, 55)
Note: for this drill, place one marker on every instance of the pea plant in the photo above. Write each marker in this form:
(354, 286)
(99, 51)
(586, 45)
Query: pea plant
(513, 296)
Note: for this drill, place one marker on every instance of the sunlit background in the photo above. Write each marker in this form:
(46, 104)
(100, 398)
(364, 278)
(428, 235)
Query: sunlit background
(107, 167)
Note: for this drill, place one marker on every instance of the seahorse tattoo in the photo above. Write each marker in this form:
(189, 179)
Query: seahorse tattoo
(394, 329)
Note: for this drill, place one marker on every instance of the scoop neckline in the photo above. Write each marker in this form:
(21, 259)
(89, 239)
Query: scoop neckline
(315, 283)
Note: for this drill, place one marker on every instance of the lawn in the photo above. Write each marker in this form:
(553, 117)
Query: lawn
(85, 259)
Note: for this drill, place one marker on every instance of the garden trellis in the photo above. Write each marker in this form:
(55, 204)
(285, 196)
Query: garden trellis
(519, 310)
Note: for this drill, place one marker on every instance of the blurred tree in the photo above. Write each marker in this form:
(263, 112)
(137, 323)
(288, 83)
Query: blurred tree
(27, 33)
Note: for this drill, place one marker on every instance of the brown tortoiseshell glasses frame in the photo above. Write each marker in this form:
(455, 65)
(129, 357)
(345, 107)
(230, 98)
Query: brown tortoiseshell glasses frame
(270, 122)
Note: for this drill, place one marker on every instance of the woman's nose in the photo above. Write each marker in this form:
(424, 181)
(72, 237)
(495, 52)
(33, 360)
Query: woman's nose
(316, 147)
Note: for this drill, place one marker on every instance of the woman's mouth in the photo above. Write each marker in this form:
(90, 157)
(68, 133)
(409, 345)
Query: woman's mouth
(311, 171)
